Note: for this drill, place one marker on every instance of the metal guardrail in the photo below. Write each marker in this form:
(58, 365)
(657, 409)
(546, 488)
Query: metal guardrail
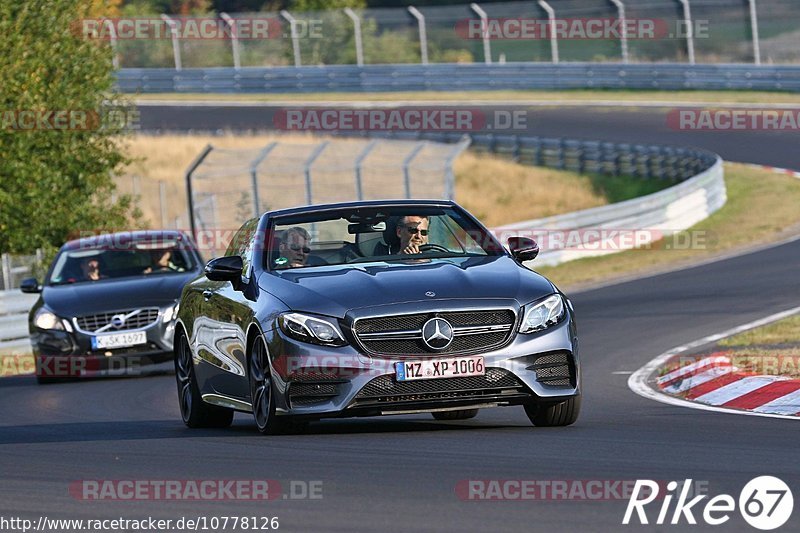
(14, 307)
(459, 77)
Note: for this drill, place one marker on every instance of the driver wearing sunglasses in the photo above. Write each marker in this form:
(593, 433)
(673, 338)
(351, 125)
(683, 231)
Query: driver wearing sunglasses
(413, 233)
(294, 246)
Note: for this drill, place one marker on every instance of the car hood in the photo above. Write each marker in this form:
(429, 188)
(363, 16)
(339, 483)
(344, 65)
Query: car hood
(335, 290)
(112, 295)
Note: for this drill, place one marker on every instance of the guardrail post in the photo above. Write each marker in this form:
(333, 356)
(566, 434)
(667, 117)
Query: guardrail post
(234, 39)
(254, 174)
(176, 47)
(189, 172)
(357, 35)
(623, 37)
(407, 164)
(5, 260)
(754, 31)
(687, 19)
(487, 47)
(358, 165)
(423, 35)
(307, 171)
(295, 38)
(551, 15)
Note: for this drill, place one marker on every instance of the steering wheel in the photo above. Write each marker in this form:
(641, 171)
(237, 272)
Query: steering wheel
(429, 246)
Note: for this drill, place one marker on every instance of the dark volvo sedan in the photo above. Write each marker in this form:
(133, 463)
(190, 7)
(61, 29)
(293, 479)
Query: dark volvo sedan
(373, 308)
(109, 303)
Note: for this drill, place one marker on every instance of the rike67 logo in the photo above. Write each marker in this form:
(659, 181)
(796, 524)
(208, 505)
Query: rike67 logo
(765, 503)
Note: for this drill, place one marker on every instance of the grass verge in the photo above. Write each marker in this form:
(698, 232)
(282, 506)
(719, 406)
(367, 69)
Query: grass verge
(761, 208)
(565, 96)
(786, 331)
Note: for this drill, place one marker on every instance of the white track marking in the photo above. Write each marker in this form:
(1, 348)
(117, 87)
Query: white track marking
(638, 381)
(785, 405)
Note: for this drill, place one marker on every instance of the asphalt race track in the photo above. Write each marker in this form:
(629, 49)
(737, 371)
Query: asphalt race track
(401, 473)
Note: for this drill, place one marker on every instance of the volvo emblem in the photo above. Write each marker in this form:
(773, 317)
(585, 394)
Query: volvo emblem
(118, 321)
(430, 294)
(437, 333)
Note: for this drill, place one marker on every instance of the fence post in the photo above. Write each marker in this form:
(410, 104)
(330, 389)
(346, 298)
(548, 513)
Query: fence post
(112, 38)
(449, 176)
(359, 162)
(307, 171)
(234, 39)
(295, 38)
(623, 36)
(254, 174)
(176, 47)
(357, 34)
(407, 163)
(487, 47)
(754, 31)
(190, 199)
(162, 199)
(423, 35)
(687, 19)
(551, 15)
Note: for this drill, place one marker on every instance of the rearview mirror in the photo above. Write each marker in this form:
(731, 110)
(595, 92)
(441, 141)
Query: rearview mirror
(30, 285)
(523, 248)
(228, 268)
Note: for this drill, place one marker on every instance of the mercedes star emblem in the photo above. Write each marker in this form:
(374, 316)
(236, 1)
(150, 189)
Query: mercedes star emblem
(437, 333)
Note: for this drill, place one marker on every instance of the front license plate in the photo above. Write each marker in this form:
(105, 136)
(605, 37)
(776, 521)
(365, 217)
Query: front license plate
(440, 368)
(119, 340)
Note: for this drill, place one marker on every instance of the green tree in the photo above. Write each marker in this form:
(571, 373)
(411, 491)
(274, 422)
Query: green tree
(56, 182)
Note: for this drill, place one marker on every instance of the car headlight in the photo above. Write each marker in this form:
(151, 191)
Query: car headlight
(45, 319)
(171, 312)
(544, 314)
(310, 329)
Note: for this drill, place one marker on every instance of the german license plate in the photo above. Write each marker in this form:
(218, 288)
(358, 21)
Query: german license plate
(440, 368)
(119, 340)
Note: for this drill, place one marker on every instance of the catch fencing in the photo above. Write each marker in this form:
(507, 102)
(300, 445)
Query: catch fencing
(688, 31)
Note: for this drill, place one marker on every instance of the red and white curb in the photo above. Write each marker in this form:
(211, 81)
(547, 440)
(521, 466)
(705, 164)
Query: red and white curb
(715, 384)
(779, 170)
(715, 380)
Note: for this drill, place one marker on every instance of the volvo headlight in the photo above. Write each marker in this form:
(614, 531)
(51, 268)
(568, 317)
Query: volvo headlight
(171, 312)
(45, 319)
(311, 329)
(543, 314)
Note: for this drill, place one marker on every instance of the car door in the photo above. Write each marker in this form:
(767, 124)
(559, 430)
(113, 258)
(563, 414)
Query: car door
(229, 313)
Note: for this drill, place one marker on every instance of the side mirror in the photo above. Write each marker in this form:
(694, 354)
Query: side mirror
(228, 268)
(523, 248)
(30, 285)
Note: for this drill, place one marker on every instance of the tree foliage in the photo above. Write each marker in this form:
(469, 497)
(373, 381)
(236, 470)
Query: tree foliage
(54, 183)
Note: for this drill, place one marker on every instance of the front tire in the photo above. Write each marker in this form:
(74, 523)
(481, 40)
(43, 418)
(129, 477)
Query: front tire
(262, 394)
(554, 414)
(462, 414)
(194, 411)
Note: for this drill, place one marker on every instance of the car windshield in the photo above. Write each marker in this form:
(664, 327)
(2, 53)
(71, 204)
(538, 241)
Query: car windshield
(95, 264)
(410, 234)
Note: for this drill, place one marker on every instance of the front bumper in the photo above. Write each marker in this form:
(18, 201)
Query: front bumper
(317, 381)
(69, 354)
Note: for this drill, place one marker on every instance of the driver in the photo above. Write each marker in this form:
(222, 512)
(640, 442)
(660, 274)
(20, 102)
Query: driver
(412, 231)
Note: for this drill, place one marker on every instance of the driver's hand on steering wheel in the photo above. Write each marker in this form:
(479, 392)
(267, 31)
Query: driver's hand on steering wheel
(410, 249)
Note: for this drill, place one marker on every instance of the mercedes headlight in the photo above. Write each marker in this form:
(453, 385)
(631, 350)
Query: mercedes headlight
(543, 314)
(45, 319)
(311, 329)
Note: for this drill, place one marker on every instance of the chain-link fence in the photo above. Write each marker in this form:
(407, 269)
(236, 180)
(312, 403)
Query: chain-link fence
(703, 31)
(229, 186)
